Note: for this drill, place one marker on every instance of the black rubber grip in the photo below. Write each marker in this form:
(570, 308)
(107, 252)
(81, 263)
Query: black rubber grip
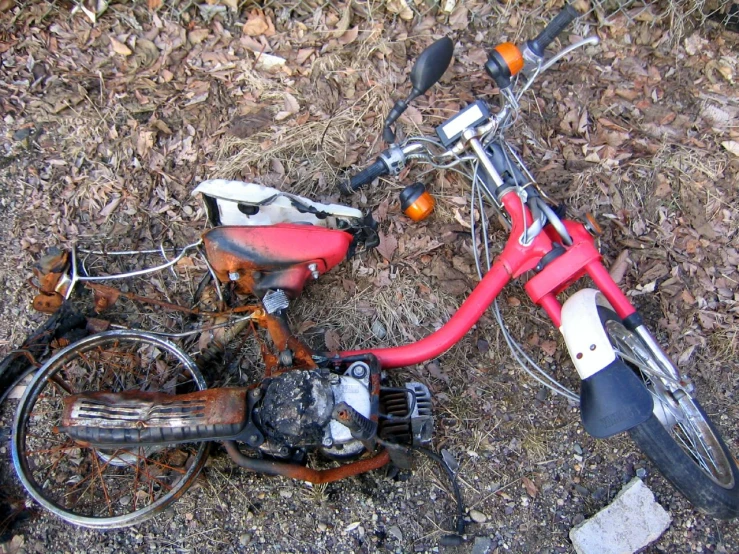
(551, 31)
(364, 177)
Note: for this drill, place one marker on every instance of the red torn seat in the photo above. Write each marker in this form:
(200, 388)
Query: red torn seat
(260, 258)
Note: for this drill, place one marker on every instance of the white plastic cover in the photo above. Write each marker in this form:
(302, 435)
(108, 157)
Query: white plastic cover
(584, 334)
(274, 206)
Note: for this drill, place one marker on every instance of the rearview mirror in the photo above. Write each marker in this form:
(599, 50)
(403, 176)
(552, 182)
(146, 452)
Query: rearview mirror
(431, 65)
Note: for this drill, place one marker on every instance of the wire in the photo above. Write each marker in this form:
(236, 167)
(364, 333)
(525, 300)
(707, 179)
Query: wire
(523, 359)
(188, 333)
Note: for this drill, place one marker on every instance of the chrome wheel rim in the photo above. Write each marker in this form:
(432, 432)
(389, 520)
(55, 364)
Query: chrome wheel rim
(103, 488)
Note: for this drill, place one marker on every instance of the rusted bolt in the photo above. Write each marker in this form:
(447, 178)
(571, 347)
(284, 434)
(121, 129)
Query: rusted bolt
(256, 393)
(286, 358)
(328, 442)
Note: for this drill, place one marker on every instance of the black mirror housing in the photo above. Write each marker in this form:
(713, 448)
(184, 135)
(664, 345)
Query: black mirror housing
(431, 65)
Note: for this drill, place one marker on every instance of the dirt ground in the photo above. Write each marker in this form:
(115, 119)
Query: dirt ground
(106, 127)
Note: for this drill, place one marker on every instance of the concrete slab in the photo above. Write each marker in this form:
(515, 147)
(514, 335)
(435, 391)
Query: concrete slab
(632, 521)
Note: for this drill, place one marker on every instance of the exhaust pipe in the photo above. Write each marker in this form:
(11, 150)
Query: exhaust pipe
(133, 418)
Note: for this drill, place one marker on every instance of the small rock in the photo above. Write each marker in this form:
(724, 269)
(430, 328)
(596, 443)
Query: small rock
(322, 527)
(632, 521)
(478, 517)
(483, 545)
(395, 531)
(577, 448)
(244, 539)
(541, 396)
(641, 473)
(351, 527)
(378, 329)
(286, 494)
(22, 134)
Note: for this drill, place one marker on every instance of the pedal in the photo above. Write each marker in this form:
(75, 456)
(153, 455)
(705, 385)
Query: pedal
(137, 417)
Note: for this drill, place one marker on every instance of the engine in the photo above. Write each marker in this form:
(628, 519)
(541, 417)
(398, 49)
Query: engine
(339, 413)
(340, 410)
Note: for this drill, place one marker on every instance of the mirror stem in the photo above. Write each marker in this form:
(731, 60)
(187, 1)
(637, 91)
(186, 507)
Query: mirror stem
(388, 135)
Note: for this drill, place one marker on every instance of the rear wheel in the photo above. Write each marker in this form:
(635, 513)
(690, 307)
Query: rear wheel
(679, 438)
(96, 487)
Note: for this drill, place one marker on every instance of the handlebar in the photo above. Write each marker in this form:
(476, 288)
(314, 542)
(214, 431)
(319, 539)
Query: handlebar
(551, 31)
(393, 159)
(364, 177)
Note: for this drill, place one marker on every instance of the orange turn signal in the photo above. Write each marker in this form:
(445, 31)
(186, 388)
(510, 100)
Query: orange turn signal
(416, 202)
(511, 56)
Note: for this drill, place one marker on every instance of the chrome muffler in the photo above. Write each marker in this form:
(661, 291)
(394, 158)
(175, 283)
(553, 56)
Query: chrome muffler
(142, 418)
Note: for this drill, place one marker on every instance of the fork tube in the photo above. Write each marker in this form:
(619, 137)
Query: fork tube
(552, 307)
(442, 340)
(599, 274)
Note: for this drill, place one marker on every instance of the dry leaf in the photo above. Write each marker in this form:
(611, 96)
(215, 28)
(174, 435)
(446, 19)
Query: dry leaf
(732, 146)
(388, 245)
(620, 266)
(198, 35)
(244, 126)
(549, 347)
(303, 55)
(110, 208)
(119, 47)
(412, 115)
(256, 24)
(343, 24)
(401, 8)
(144, 142)
(333, 340)
(350, 36)
(459, 18)
(530, 487)
(154, 4)
(663, 187)
(291, 104)
(254, 45)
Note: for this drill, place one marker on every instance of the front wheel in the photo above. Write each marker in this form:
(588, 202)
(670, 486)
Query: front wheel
(679, 438)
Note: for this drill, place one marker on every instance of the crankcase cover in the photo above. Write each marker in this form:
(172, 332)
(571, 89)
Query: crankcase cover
(296, 408)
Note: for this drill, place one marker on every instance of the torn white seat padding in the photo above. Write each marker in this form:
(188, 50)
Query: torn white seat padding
(274, 206)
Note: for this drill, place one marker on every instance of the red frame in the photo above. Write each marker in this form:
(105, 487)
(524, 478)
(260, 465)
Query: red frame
(580, 259)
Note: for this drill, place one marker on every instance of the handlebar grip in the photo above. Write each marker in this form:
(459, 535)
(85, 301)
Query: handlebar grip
(364, 177)
(555, 27)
